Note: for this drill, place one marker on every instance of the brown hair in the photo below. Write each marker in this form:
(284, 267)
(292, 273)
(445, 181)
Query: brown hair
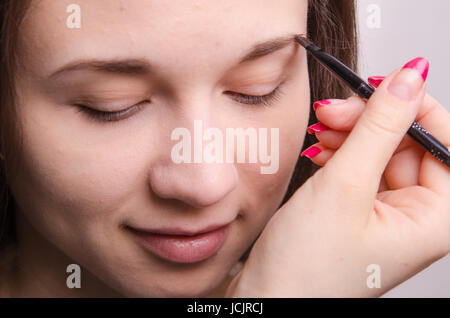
(331, 25)
(12, 13)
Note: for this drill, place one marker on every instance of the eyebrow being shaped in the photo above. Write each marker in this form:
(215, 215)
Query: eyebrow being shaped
(142, 66)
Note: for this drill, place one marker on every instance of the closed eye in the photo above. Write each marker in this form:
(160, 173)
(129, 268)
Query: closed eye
(102, 117)
(266, 100)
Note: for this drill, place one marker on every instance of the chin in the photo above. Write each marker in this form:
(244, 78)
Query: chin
(197, 291)
(186, 285)
(151, 278)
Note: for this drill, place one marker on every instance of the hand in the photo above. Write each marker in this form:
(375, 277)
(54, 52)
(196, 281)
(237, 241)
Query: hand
(379, 198)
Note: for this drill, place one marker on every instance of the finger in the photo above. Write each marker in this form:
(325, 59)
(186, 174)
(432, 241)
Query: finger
(416, 202)
(321, 155)
(432, 116)
(383, 185)
(425, 209)
(332, 139)
(433, 175)
(412, 164)
(404, 167)
(389, 113)
(318, 154)
(340, 114)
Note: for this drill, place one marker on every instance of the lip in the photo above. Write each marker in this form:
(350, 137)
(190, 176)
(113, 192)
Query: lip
(181, 231)
(182, 246)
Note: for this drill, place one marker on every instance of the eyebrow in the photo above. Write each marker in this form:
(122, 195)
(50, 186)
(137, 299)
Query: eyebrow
(142, 66)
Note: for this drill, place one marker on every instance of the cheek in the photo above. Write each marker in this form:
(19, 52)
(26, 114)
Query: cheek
(265, 192)
(66, 168)
(74, 188)
(268, 190)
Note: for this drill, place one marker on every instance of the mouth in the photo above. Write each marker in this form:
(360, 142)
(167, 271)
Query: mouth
(187, 248)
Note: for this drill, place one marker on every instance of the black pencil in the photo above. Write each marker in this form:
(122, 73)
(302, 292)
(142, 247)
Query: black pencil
(365, 90)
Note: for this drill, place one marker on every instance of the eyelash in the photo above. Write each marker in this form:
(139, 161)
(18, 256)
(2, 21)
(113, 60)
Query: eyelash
(265, 100)
(102, 117)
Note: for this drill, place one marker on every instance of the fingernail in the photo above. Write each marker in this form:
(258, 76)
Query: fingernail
(419, 64)
(375, 81)
(319, 127)
(321, 103)
(407, 84)
(311, 152)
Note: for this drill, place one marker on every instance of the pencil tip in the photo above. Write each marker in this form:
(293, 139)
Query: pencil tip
(303, 40)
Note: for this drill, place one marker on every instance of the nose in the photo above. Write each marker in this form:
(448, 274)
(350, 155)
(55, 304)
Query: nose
(196, 184)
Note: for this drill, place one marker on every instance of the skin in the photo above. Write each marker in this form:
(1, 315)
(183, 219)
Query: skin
(82, 181)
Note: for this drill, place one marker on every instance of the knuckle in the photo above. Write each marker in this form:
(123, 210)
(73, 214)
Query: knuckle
(379, 122)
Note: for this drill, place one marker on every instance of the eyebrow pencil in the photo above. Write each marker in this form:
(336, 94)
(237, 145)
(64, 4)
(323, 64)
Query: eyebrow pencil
(365, 90)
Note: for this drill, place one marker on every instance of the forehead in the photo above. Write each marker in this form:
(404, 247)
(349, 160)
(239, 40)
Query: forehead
(166, 30)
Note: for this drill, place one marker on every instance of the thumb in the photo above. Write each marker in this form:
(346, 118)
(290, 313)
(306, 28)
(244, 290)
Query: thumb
(389, 113)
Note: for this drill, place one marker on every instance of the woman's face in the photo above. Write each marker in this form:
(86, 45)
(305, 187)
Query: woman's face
(85, 184)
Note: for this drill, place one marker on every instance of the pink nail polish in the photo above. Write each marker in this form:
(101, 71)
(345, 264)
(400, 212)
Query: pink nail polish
(321, 103)
(375, 81)
(319, 127)
(311, 152)
(419, 64)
